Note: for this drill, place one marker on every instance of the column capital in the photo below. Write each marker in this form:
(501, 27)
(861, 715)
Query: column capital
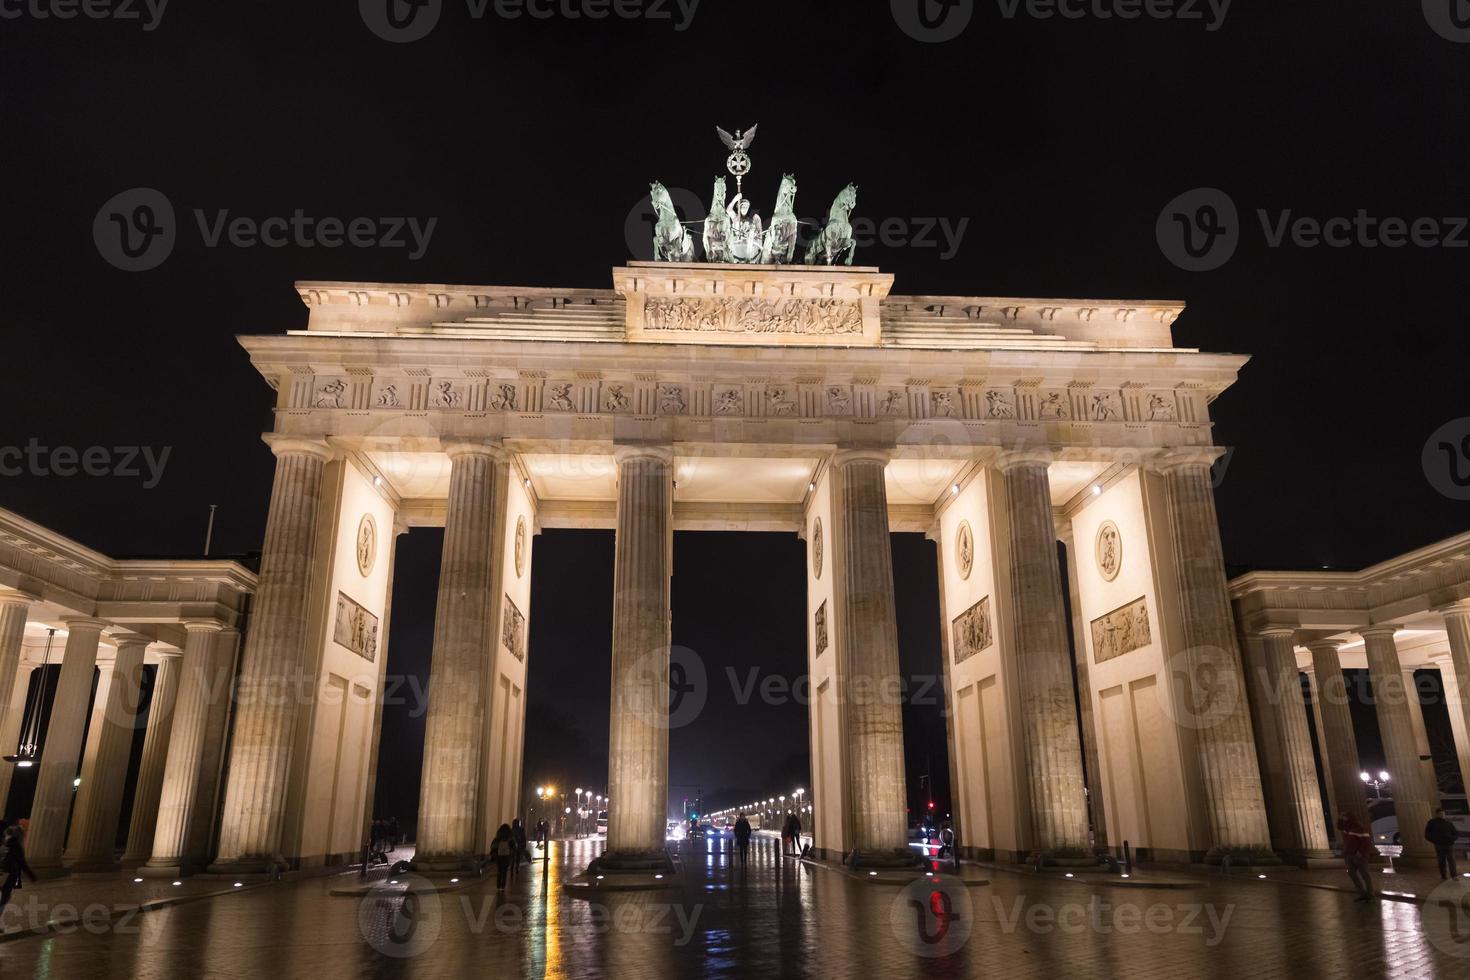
(288, 445)
(18, 597)
(167, 651)
(1171, 459)
(1270, 631)
(1379, 629)
(1009, 459)
(203, 625)
(127, 638)
(494, 448)
(1325, 644)
(658, 451)
(73, 623)
(859, 454)
(1459, 609)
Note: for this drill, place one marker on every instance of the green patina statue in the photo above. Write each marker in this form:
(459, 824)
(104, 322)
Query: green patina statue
(834, 243)
(717, 228)
(780, 242)
(671, 243)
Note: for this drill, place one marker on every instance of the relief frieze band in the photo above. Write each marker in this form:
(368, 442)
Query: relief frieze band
(753, 315)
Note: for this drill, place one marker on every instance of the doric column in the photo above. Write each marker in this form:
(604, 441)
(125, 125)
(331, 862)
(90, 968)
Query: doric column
(1293, 742)
(222, 661)
(92, 841)
(155, 756)
(14, 607)
(1455, 669)
(876, 791)
(1318, 724)
(462, 647)
(172, 851)
(638, 736)
(1411, 797)
(63, 744)
(1048, 709)
(1339, 741)
(1207, 671)
(272, 678)
(1091, 758)
(1421, 735)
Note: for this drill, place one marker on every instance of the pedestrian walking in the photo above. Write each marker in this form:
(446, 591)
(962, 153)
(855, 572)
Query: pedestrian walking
(522, 852)
(502, 849)
(1442, 834)
(392, 833)
(1357, 847)
(742, 836)
(793, 832)
(12, 864)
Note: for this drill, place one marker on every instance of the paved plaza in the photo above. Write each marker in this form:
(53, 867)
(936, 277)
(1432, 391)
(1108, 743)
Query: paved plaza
(779, 917)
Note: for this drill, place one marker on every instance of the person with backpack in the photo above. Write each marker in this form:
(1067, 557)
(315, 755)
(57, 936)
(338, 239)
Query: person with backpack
(502, 849)
(12, 864)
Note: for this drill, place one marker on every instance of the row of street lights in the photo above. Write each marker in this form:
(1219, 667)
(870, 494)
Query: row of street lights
(587, 804)
(768, 808)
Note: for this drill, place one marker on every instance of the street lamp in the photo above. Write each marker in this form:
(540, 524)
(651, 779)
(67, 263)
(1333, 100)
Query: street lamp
(1377, 784)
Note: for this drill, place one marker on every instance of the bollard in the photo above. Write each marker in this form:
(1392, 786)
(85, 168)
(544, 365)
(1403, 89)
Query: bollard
(367, 853)
(1128, 858)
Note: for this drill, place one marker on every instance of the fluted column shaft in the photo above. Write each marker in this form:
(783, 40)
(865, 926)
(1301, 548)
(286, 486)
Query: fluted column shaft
(1412, 799)
(223, 650)
(1048, 709)
(1421, 734)
(1455, 670)
(1213, 686)
(14, 608)
(454, 728)
(638, 731)
(63, 744)
(149, 790)
(93, 837)
(172, 853)
(272, 678)
(1293, 741)
(873, 715)
(1339, 741)
(1091, 755)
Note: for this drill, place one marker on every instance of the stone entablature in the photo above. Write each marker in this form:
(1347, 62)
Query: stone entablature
(1411, 584)
(72, 579)
(740, 305)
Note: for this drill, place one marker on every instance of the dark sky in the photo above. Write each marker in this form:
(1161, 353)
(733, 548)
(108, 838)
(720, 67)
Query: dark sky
(529, 140)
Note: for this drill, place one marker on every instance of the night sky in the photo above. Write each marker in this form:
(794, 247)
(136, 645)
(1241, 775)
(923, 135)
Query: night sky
(1058, 142)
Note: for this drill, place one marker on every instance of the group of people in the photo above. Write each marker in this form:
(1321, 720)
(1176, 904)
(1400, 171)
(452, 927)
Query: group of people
(1358, 850)
(509, 850)
(385, 836)
(12, 859)
(790, 837)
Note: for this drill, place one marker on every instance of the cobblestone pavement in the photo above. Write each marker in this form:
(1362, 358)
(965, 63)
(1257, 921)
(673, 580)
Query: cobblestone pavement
(777, 918)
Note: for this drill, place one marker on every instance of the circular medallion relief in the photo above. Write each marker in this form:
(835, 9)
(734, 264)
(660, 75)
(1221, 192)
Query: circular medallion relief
(964, 545)
(520, 546)
(1109, 550)
(817, 547)
(367, 544)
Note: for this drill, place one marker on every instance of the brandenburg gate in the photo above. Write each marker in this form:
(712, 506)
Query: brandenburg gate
(722, 396)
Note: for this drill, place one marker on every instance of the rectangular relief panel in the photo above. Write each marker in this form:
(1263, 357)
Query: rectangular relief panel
(513, 629)
(356, 628)
(972, 631)
(1121, 631)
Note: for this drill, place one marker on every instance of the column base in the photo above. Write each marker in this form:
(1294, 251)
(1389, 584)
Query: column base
(884, 859)
(632, 862)
(1249, 855)
(94, 867)
(444, 863)
(238, 867)
(1064, 858)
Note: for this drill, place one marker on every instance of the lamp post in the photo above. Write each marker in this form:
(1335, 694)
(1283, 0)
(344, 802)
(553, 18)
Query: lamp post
(1377, 784)
(579, 811)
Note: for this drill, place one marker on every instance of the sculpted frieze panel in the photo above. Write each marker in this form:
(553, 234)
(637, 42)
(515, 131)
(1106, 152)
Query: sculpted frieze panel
(972, 632)
(753, 315)
(1121, 631)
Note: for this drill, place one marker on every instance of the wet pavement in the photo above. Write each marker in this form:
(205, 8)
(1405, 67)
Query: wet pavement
(776, 918)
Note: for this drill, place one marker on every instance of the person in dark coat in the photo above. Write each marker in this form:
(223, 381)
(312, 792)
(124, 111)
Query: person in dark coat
(742, 836)
(518, 839)
(793, 832)
(13, 864)
(1357, 847)
(502, 851)
(1440, 832)
(392, 833)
